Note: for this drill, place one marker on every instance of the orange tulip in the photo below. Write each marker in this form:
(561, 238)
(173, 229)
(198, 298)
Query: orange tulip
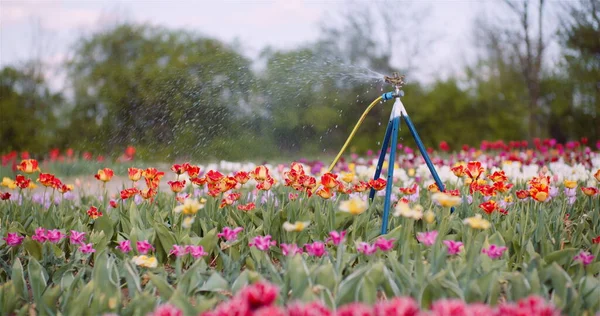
(307, 181)
(502, 187)
(104, 174)
(474, 169)
(378, 184)
(266, 185)
(260, 173)
(214, 176)
(329, 180)
(199, 181)
(177, 186)
(22, 182)
(93, 212)
(522, 194)
(134, 174)
(192, 171)
(409, 190)
(147, 194)
(64, 188)
(361, 186)
(489, 207)
(28, 166)
(226, 184)
(325, 193)
(498, 176)
(47, 179)
(433, 188)
(152, 174)
(241, 177)
(127, 193)
(589, 191)
(458, 170)
(178, 169)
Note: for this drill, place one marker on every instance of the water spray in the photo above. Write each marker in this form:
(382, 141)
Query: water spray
(398, 111)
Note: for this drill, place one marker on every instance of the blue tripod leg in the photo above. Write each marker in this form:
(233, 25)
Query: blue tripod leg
(390, 175)
(430, 165)
(384, 147)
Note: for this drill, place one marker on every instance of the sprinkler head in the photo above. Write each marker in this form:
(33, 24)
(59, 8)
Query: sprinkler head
(395, 80)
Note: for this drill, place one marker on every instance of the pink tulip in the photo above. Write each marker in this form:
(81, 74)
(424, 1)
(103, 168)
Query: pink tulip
(76, 237)
(230, 234)
(13, 239)
(336, 238)
(453, 246)
(316, 249)
(124, 246)
(144, 246)
(584, 257)
(494, 251)
(167, 310)
(355, 309)
(195, 251)
(40, 235)
(178, 251)
(366, 248)
(86, 248)
(262, 242)
(384, 244)
(290, 249)
(399, 306)
(427, 238)
(54, 236)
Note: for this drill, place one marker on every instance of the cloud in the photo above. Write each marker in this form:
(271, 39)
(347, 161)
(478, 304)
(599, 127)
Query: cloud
(53, 15)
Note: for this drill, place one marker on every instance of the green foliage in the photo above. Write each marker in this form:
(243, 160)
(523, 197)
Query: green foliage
(29, 110)
(175, 94)
(539, 259)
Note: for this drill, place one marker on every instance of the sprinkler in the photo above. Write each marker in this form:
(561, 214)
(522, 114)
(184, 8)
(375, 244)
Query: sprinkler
(396, 80)
(398, 111)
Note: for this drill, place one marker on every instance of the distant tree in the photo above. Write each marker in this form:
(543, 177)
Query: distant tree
(515, 49)
(27, 110)
(170, 92)
(580, 39)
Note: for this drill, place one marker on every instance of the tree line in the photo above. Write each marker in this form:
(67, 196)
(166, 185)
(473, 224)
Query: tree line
(174, 94)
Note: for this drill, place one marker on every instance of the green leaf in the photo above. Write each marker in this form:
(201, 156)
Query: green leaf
(562, 257)
(241, 281)
(325, 275)
(589, 289)
(209, 241)
(38, 279)
(183, 303)
(50, 298)
(104, 224)
(135, 218)
(33, 248)
(134, 286)
(298, 276)
(8, 298)
(215, 283)
(164, 289)
(165, 237)
(18, 279)
(348, 286)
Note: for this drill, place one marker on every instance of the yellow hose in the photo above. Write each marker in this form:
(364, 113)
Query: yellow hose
(360, 120)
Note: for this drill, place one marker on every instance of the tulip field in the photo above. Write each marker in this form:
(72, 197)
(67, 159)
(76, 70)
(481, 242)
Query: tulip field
(290, 239)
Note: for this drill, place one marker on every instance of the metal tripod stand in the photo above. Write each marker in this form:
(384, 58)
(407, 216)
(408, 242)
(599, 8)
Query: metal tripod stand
(398, 111)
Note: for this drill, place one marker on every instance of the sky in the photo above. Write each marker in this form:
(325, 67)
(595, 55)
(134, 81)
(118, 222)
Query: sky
(48, 29)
